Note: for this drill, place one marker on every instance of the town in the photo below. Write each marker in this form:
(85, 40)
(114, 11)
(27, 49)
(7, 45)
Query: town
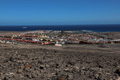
(58, 38)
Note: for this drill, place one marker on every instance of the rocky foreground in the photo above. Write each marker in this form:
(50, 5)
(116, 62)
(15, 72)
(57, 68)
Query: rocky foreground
(52, 64)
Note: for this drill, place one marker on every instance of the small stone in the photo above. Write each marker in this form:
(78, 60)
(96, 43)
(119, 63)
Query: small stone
(96, 75)
(100, 66)
(118, 71)
(29, 76)
(53, 74)
(68, 70)
(34, 75)
(83, 67)
(118, 78)
(22, 67)
(47, 66)
(28, 67)
(57, 65)
(20, 71)
(62, 78)
(11, 59)
(72, 62)
(5, 78)
(41, 67)
(40, 62)
(11, 74)
(70, 77)
(55, 51)
(77, 69)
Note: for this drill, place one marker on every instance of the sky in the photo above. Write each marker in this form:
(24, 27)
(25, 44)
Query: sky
(59, 12)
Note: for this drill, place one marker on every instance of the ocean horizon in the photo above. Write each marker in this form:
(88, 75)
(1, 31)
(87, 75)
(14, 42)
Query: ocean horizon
(94, 28)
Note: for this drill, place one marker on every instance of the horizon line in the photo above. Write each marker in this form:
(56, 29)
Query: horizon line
(60, 25)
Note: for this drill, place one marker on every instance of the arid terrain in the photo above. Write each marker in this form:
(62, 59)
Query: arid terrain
(67, 62)
(70, 62)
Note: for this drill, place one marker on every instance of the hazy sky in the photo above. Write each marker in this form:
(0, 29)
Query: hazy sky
(59, 12)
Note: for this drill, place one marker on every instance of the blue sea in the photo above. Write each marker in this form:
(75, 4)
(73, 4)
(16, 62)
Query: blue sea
(95, 28)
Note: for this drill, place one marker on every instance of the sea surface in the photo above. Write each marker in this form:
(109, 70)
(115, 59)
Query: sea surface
(95, 28)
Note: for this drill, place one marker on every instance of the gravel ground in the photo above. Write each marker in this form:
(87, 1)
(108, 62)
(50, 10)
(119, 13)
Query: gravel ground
(58, 64)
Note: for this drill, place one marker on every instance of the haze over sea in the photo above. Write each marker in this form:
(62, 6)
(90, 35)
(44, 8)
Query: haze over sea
(95, 28)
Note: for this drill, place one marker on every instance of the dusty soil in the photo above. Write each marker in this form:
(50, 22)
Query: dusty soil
(69, 62)
(10, 32)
